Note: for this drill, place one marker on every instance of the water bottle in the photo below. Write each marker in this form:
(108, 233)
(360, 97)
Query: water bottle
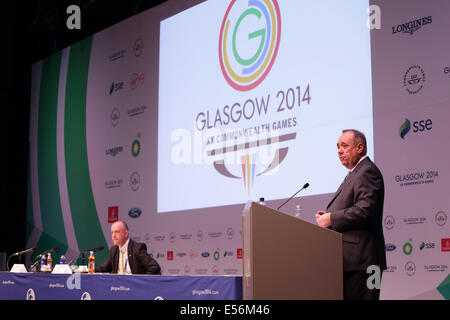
(62, 260)
(43, 263)
(91, 262)
(298, 211)
(261, 201)
(49, 262)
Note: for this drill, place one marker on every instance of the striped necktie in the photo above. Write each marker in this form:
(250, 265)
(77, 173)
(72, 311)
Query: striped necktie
(120, 271)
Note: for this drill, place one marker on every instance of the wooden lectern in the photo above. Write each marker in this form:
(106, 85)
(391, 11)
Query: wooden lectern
(288, 258)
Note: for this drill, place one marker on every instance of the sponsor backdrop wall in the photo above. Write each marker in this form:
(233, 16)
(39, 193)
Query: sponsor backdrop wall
(411, 107)
(172, 119)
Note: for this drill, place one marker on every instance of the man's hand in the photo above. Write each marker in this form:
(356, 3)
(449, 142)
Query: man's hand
(323, 219)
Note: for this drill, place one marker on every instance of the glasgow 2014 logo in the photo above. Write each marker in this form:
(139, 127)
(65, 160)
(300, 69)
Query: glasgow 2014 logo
(248, 42)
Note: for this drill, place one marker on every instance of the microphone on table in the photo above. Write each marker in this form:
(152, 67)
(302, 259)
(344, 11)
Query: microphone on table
(54, 249)
(20, 253)
(83, 253)
(25, 251)
(39, 256)
(306, 185)
(99, 248)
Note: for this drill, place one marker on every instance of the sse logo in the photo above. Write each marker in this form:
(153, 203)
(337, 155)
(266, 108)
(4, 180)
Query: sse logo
(248, 42)
(418, 126)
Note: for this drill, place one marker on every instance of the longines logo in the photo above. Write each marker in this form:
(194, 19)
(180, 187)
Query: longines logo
(117, 55)
(412, 26)
(114, 151)
(414, 79)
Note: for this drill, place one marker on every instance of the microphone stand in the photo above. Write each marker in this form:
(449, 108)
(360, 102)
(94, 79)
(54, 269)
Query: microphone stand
(34, 267)
(304, 187)
(7, 263)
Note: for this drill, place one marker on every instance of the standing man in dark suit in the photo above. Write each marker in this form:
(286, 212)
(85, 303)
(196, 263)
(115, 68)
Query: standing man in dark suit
(356, 211)
(127, 256)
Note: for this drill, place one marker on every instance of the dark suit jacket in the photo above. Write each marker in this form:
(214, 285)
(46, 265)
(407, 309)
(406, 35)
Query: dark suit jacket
(357, 212)
(138, 258)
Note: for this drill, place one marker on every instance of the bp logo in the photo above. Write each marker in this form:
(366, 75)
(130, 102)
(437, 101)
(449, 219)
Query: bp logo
(216, 255)
(407, 248)
(248, 42)
(136, 146)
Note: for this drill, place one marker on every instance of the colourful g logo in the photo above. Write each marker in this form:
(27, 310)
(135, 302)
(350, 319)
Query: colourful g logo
(248, 42)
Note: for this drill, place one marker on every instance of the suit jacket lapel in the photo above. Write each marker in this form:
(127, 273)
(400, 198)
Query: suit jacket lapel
(338, 191)
(130, 255)
(347, 180)
(115, 260)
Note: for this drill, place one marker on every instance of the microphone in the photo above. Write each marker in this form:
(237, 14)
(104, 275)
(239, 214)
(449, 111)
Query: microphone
(99, 248)
(25, 251)
(83, 253)
(54, 249)
(20, 254)
(306, 185)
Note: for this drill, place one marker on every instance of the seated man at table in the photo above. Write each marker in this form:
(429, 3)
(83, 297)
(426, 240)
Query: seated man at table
(127, 256)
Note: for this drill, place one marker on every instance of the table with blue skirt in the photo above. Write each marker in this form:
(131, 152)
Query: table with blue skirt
(80, 286)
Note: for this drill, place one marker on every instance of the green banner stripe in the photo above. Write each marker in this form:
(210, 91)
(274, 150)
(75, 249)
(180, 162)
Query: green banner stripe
(84, 214)
(30, 218)
(53, 232)
(444, 288)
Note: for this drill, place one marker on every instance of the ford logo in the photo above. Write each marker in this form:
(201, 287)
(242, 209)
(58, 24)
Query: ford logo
(205, 254)
(134, 212)
(390, 247)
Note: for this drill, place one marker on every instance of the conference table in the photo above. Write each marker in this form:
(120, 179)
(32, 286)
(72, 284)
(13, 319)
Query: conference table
(81, 286)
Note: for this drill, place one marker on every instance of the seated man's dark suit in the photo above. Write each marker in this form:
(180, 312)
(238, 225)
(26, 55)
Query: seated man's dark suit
(138, 258)
(357, 212)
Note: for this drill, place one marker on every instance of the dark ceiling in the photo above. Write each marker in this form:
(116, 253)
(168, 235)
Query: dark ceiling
(45, 21)
(31, 31)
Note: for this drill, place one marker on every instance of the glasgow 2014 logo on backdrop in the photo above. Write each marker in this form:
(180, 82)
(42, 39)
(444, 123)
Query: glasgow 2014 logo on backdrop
(248, 42)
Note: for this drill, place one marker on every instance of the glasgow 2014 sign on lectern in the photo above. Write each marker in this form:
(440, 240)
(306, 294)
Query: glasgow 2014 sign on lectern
(289, 258)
